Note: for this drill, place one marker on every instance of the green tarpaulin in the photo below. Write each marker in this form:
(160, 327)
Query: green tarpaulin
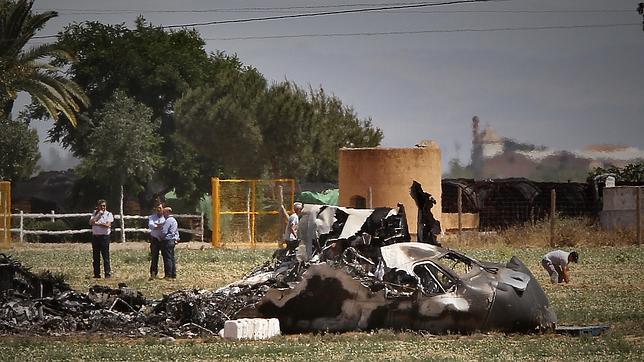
(328, 197)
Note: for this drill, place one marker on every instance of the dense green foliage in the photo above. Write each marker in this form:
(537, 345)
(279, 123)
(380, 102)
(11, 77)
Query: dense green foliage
(337, 126)
(218, 119)
(286, 119)
(18, 150)
(30, 70)
(218, 116)
(153, 66)
(124, 147)
(284, 131)
(633, 172)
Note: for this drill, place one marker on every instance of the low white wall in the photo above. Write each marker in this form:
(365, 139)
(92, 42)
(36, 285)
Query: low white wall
(619, 207)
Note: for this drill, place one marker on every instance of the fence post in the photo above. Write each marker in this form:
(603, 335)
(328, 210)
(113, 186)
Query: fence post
(53, 218)
(22, 226)
(248, 216)
(638, 217)
(253, 218)
(459, 202)
(203, 229)
(122, 218)
(280, 243)
(216, 216)
(553, 211)
(370, 197)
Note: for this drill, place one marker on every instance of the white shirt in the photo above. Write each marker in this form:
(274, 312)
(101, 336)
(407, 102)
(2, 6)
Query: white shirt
(155, 223)
(293, 220)
(557, 257)
(105, 218)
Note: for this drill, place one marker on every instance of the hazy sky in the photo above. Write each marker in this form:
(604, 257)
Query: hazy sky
(572, 76)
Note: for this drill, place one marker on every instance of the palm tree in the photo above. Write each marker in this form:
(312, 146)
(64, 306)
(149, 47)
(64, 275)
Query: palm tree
(32, 71)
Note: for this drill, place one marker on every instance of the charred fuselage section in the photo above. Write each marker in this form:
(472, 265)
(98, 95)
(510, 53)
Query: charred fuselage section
(414, 286)
(364, 273)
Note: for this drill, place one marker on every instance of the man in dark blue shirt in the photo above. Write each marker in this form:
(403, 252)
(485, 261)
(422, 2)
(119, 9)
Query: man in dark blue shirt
(171, 238)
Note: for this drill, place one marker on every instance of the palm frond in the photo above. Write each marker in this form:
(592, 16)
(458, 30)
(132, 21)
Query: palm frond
(32, 70)
(45, 50)
(53, 100)
(18, 25)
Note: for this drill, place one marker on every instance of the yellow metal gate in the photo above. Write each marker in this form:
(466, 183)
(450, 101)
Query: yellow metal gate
(5, 214)
(246, 213)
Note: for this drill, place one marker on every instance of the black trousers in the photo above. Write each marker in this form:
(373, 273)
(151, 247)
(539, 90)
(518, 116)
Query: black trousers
(155, 246)
(101, 247)
(169, 262)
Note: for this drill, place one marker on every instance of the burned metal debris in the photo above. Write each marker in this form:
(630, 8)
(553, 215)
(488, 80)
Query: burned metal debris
(353, 270)
(122, 311)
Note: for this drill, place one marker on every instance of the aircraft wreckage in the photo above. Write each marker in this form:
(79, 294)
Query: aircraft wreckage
(353, 269)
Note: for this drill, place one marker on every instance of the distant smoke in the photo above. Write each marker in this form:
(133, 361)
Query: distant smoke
(477, 149)
(53, 158)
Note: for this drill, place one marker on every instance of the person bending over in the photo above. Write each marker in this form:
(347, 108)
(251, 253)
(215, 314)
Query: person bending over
(556, 264)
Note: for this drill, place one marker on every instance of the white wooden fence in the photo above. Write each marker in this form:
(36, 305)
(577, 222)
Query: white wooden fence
(199, 231)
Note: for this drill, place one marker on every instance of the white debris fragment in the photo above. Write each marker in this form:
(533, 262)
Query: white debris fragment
(251, 328)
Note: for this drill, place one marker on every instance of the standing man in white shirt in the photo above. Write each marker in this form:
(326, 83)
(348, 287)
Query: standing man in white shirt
(101, 222)
(155, 223)
(556, 264)
(292, 221)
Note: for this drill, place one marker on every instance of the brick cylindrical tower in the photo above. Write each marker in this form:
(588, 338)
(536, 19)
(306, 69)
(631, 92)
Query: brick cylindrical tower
(384, 176)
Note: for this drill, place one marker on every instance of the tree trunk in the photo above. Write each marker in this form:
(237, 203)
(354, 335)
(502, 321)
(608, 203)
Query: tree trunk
(122, 218)
(7, 107)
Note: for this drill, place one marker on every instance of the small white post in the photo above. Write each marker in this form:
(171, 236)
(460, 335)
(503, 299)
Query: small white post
(22, 224)
(122, 218)
(53, 218)
(202, 227)
(370, 197)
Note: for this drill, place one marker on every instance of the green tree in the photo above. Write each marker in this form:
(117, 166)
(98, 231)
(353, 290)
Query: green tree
(18, 150)
(457, 170)
(285, 117)
(631, 173)
(152, 65)
(28, 70)
(124, 146)
(336, 126)
(219, 119)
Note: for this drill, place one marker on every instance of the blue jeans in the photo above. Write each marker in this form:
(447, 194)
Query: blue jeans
(169, 262)
(101, 247)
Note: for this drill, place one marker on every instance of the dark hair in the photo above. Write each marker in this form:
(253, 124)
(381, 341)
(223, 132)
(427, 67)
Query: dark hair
(574, 256)
(101, 201)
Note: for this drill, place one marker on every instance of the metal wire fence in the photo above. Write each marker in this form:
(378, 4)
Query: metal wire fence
(247, 212)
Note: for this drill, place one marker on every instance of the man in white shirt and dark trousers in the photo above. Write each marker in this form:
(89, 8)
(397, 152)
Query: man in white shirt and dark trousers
(101, 222)
(155, 223)
(556, 264)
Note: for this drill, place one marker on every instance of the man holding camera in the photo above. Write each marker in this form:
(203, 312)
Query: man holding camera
(101, 222)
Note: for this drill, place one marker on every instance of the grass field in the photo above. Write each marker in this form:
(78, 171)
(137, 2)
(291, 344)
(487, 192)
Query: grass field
(606, 288)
